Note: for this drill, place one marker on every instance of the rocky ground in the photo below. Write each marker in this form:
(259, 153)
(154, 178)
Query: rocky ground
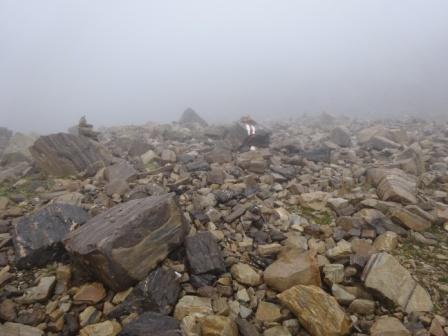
(329, 226)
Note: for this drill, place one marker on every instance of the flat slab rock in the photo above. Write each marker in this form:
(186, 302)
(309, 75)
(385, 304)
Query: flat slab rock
(121, 245)
(401, 288)
(203, 254)
(63, 154)
(158, 292)
(316, 310)
(38, 237)
(152, 324)
(17, 329)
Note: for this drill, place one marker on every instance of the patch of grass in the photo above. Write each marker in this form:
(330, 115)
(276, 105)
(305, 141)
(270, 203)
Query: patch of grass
(444, 279)
(318, 217)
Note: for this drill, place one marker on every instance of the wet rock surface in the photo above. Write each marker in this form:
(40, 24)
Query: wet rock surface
(317, 226)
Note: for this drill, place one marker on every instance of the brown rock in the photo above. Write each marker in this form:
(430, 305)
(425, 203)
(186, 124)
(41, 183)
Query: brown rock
(384, 274)
(293, 267)
(215, 325)
(8, 310)
(388, 326)
(317, 311)
(245, 274)
(268, 312)
(106, 328)
(17, 329)
(409, 220)
(386, 242)
(90, 293)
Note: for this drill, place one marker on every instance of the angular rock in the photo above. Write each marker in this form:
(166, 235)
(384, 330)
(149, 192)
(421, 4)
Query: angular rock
(121, 245)
(317, 155)
(341, 137)
(246, 328)
(120, 171)
(401, 288)
(17, 329)
(39, 293)
(215, 325)
(394, 185)
(64, 154)
(191, 117)
(193, 305)
(386, 242)
(245, 274)
(291, 268)
(38, 237)
(152, 324)
(388, 326)
(409, 220)
(157, 293)
(90, 293)
(317, 311)
(204, 254)
(277, 331)
(106, 328)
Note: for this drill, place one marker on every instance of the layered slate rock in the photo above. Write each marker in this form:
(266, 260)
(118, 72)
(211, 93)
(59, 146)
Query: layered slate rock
(317, 154)
(121, 170)
(38, 237)
(385, 276)
(394, 185)
(203, 254)
(293, 267)
(409, 220)
(121, 245)
(152, 324)
(317, 311)
(64, 154)
(158, 292)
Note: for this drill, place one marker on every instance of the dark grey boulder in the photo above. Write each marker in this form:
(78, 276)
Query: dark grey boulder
(203, 254)
(121, 245)
(152, 324)
(158, 292)
(38, 237)
(191, 117)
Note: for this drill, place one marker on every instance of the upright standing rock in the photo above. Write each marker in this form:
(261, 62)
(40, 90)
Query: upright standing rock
(121, 245)
(38, 237)
(191, 117)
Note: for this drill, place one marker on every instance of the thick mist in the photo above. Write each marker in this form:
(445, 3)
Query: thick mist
(129, 62)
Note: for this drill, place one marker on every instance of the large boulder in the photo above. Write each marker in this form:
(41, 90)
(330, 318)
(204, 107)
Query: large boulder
(388, 326)
(385, 276)
(64, 154)
(317, 311)
(38, 237)
(393, 185)
(341, 137)
(121, 245)
(191, 117)
(293, 267)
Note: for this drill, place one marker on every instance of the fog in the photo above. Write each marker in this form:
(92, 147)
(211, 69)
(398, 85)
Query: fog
(130, 62)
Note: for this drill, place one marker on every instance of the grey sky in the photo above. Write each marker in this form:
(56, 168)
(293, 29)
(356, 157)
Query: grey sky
(124, 62)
